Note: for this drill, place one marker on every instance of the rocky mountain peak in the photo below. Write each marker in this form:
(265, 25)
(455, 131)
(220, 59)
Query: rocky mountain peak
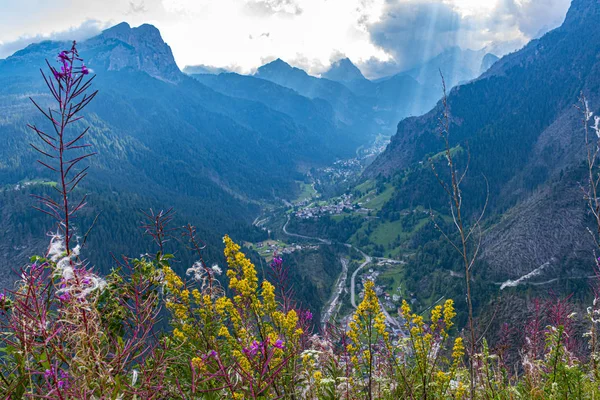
(141, 48)
(279, 69)
(343, 70)
(275, 65)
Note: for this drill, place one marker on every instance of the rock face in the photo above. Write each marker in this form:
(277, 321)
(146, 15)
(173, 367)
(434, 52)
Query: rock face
(526, 137)
(344, 71)
(141, 48)
(457, 65)
(350, 108)
(488, 60)
(165, 139)
(116, 49)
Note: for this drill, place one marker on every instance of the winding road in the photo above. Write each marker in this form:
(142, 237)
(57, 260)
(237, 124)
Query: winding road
(353, 279)
(325, 241)
(343, 277)
(340, 286)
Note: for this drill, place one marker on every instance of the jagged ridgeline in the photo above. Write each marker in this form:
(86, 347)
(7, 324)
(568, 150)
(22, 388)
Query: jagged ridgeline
(515, 159)
(519, 125)
(163, 140)
(214, 147)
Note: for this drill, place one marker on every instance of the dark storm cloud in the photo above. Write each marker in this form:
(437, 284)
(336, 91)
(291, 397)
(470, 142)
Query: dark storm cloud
(415, 32)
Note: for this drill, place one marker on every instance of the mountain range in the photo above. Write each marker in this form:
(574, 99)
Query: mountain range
(518, 126)
(164, 139)
(216, 146)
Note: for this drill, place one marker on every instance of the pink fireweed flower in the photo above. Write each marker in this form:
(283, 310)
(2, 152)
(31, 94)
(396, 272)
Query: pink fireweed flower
(65, 70)
(278, 344)
(277, 261)
(63, 382)
(49, 373)
(211, 354)
(57, 75)
(307, 315)
(64, 297)
(253, 349)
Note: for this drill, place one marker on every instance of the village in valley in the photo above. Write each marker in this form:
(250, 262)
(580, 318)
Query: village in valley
(366, 201)
(336, 206)
(268, 248)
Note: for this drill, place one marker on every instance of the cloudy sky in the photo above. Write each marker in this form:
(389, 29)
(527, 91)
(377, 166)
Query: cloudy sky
(380, 36)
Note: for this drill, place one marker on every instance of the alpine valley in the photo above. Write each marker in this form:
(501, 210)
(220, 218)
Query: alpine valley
(333, 172)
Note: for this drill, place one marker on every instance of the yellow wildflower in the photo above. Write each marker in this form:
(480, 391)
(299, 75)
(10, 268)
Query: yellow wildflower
(178, 334)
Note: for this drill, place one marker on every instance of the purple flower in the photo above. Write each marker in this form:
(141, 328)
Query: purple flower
(49, 373)
(210, 354)
(307, 315)
(2, 297)
(62, 56)
(84, 70)
(66, 70)
(254, 347)
(57, 75)
(63, 382)
(85, 281)
(278, 344)
(64, 297)
(277, 261)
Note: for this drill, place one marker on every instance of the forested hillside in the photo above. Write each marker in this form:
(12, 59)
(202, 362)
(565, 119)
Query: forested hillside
(164, 140)
(518, 127)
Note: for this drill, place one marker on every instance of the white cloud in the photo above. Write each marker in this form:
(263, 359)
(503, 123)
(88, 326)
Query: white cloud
(413, 31)
(242, 34)
(85, 30)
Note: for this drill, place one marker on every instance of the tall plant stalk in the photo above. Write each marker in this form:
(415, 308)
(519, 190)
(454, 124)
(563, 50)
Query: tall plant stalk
(468, 251)
(62, 148)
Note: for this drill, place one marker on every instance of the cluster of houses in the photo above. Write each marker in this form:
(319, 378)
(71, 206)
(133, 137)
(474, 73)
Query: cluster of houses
(342, 170)
(20, 186)
(342, 204)
(271, 247)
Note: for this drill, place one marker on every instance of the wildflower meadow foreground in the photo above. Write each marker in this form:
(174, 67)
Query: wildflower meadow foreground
(144, 332)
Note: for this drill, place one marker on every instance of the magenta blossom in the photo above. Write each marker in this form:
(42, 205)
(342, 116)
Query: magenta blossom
(210, 354)
(277, 261)
(253, 349)
(64, 297)
(63, 383)
(307, 315)
(278, 344)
